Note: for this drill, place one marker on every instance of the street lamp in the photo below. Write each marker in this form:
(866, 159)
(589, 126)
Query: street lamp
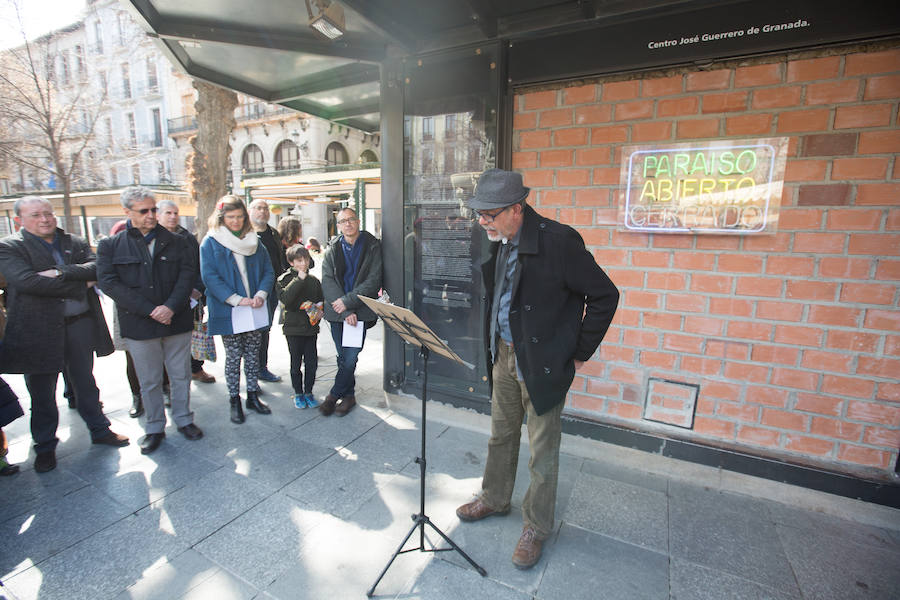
(328, 20)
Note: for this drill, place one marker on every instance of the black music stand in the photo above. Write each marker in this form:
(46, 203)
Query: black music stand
(413, 330)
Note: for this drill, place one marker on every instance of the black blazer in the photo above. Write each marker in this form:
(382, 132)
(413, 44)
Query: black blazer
(34, 338)
(139, 283)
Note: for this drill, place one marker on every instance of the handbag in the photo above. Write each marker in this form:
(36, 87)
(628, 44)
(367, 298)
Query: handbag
(203, 346)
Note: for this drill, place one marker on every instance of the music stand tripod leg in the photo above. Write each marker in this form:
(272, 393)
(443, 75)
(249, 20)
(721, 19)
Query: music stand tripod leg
(453, 545)
(421, 519)
(396, 553)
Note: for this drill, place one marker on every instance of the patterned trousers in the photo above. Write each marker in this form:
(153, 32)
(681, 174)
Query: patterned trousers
(237, 346)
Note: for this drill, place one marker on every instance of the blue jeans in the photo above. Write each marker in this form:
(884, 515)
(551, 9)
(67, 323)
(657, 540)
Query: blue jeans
(345, 380)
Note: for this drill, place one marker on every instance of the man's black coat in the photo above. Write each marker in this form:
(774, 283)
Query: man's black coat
(35, 330)
(139, 283)
(562, 305)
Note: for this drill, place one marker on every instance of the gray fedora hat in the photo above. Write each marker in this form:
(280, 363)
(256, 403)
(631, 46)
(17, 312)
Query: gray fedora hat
(497, 188)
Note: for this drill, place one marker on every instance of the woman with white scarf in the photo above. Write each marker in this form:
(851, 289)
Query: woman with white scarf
(236, 270)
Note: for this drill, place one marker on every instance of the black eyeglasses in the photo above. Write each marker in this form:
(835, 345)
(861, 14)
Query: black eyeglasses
(488, 217)
(347, 220)
(144, 211)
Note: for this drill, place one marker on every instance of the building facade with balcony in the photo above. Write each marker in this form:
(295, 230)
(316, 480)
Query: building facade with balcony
(113, 78)
(139, 114)
(132, 136)
(308, 166)
(53, 82)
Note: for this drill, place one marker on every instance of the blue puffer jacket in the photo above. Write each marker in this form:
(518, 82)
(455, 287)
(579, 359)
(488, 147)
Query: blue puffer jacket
(222, 279)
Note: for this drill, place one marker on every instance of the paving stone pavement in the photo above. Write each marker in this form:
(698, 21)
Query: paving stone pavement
(295, 505)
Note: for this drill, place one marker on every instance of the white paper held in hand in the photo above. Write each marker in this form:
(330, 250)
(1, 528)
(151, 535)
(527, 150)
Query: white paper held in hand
(353, 335)
(247, 318)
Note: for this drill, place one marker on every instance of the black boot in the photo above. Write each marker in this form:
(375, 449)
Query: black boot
(254, 403)
(237, 413)
(137, 406)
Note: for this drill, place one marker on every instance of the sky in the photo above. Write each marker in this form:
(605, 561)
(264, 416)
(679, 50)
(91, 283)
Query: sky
(39, 17)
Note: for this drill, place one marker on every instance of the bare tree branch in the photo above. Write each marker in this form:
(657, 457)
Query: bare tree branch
(45, 128)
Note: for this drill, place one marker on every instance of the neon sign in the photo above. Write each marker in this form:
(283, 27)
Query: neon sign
(714, 187)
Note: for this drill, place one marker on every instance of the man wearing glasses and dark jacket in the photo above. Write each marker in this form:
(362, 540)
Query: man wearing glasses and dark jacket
(549, 306)
(351, 268)
(150, 272)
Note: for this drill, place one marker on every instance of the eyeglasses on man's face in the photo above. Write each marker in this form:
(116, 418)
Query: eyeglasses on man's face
(144, 211)
(46, 214)
(488, 217)
(347, 221)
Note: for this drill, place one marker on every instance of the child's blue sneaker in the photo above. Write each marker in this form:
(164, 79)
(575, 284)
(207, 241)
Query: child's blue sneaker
(299, 401)
(311, 401)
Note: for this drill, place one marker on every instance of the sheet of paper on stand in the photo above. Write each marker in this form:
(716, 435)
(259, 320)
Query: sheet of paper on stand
(412, 329)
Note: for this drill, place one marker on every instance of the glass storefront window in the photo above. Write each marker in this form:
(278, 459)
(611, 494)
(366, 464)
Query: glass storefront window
(450, 132)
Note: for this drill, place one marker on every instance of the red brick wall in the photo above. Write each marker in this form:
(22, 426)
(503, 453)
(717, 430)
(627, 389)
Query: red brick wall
(793, 338)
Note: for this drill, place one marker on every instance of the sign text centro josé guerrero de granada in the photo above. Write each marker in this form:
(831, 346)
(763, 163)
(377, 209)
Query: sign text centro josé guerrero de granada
(721, 187)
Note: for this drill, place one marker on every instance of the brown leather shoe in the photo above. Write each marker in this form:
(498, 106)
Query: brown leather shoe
(345, 405)
(112, 439)
(203, 377)
(327, 406)
(528, 550)
(476, 510)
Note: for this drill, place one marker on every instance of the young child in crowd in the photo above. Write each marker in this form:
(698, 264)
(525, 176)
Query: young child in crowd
(301, 294)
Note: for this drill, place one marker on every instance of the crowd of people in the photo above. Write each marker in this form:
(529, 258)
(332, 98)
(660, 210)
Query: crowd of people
(548, 306)
(162, 281)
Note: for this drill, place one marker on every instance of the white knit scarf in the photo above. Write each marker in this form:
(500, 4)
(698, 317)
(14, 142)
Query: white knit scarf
(240, 247)
(245, 246)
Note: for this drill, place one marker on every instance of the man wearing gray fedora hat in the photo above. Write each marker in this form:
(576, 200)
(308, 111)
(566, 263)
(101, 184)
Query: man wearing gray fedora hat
(549, 306)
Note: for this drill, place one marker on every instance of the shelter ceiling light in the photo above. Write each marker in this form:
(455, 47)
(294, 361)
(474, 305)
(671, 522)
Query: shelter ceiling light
(328, 20)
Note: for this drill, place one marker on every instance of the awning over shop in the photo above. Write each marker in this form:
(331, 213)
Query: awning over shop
(311, 187)
(267, 49)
